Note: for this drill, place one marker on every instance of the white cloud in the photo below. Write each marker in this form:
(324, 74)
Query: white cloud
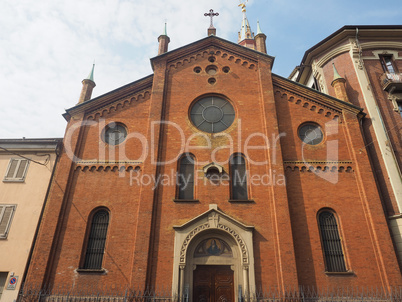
(48, 48)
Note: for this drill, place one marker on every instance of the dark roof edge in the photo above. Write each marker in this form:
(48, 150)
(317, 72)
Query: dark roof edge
(348, 27)
(30, 140)
(319, 92)
(108, 93)
(33, 144)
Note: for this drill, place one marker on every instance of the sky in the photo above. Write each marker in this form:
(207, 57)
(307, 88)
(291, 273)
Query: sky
(47, 47)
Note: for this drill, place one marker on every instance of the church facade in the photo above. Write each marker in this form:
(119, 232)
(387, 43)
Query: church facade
(213, 177)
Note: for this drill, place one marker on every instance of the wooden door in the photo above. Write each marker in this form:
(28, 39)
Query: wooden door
(213, 283)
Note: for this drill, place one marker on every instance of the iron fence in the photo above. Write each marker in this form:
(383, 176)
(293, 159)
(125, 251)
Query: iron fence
(300, 294)
(94, 294)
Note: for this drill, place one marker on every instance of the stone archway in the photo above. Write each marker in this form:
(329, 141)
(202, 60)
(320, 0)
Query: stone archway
(216, 225)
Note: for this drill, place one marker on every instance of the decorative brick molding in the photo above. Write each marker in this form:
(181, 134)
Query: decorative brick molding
(105, 166)
(309, 104)
(119, 104)
(229, 56)
(319, 166)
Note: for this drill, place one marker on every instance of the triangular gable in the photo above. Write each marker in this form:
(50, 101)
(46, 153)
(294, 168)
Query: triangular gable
(205, 44)
(127, 93)
(207, 216)
(312, 99)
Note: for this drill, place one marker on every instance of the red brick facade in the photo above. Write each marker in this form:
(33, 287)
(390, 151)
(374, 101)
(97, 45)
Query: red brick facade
(289, 182)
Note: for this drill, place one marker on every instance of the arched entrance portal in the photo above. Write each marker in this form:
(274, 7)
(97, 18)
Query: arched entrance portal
(213, 259)
(214, 267)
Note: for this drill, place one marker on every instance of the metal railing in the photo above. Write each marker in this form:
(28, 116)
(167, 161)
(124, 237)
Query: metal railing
(391, 81)
(94, 294)
(299, 294)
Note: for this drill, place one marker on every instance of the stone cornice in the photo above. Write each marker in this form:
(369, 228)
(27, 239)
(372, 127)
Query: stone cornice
(382, 36)
(29, 145)
(372, 32)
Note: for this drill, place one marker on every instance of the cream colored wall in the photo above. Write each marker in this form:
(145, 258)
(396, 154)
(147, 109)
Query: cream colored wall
(28, 196)
(396, 231)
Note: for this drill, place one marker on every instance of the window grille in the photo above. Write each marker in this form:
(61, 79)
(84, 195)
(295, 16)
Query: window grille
(6, 214)
(331, 243)
(96, 240)
(186, 177)
(16, 170)
(238, 178)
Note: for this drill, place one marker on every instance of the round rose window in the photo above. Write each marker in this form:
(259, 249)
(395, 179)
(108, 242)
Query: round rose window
(114, 133)
(212, 114)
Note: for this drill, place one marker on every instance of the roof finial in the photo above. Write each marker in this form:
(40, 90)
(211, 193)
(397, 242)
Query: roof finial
(258, 28)
(260, 40)
(211, 29)
(88, 85)
(91, 74)
(339, 85)
(211, 14)
(246, 36)
(243, 6)
(336, 74)
(163, 40)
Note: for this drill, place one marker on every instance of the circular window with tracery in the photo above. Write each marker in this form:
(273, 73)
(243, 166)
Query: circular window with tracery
(114, 133)
(212, 114)
(311, 134)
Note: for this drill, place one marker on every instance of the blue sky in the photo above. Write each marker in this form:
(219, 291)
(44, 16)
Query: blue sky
(49, 47)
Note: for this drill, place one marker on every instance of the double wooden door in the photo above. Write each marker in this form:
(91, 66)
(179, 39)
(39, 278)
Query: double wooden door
(213, 283)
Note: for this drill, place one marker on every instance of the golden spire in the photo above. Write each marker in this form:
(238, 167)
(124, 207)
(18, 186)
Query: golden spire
(246, 36)
(243, 5)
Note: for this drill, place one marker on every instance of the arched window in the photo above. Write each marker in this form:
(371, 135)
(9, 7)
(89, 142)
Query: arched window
(185, 177)
(238, 177)
(331, 242)
(96, 241)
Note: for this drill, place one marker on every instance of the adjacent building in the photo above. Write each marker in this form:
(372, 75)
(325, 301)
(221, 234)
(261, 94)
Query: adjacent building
(362, 65)
(26, 167)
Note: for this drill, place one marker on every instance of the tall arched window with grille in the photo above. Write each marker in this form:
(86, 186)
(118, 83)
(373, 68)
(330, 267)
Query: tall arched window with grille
(96, 240)
(331, 242)
(185, 177)
(238, 178)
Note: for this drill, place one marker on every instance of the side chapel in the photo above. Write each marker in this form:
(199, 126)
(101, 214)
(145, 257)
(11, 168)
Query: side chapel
(213, 177)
